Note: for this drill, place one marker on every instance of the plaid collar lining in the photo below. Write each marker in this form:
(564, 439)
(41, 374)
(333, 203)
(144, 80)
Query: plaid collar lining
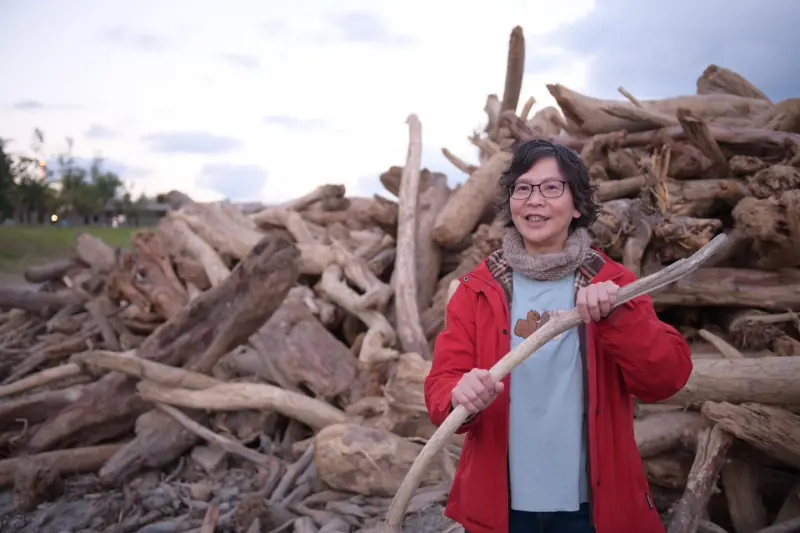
(502, 272)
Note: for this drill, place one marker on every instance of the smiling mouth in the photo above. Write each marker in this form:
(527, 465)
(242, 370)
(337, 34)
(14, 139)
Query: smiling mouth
(536, 219)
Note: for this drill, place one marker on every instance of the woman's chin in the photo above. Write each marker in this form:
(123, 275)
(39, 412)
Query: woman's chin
(539, 235)
(544, 238)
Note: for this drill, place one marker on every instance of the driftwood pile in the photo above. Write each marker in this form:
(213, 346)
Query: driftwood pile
(263, 371)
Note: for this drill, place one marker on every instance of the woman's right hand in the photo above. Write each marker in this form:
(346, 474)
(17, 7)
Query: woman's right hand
(476, 390)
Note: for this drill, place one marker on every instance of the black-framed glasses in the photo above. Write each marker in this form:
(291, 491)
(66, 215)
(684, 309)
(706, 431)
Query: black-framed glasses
(547, 188)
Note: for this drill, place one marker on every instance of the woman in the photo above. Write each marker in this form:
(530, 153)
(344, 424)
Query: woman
(551, 447)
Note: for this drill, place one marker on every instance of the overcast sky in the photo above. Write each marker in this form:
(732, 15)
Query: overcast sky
(259, 101)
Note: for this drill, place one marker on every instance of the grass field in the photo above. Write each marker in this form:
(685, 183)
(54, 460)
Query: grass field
(22, 246)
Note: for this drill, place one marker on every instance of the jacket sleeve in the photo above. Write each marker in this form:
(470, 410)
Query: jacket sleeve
(654, 358)
(453, 355)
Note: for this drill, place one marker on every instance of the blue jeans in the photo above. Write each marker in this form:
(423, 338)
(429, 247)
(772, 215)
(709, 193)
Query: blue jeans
(556, 522)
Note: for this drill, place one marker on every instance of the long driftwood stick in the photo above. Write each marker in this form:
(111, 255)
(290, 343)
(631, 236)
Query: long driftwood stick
(502, 368)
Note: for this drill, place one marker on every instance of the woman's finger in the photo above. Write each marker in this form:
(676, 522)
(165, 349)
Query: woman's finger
(582, 305)
(462, 399)
(603, 301)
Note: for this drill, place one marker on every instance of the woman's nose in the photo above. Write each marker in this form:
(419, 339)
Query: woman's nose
(536, 198)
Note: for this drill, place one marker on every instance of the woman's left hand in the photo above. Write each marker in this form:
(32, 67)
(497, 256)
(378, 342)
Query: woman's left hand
(595, 301)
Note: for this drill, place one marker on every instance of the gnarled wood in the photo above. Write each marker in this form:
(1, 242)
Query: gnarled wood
(50, 271)
(773, 430)
(183, 239)
(295, 350)
(235, 396)
(720, 80)
(42, 303)
(467, 204)
(735, 287)
(584, 115)
(740, 481)
(211, 325)
(712, 449)
(368, 461)
(661, 432)
(774, 225)
(94, 253)
(769, 380)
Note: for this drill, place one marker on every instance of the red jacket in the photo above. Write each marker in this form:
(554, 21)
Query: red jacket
(630, 353)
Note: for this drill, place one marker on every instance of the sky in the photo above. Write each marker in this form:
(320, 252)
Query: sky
(263, 101)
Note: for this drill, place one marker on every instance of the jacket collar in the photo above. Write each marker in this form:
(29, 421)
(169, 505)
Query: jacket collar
(502, 272)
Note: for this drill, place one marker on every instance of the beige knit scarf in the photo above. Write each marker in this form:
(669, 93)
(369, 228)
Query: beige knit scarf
(547, 266)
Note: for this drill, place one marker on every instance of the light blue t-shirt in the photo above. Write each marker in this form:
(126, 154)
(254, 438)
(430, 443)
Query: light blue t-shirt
(547, 451)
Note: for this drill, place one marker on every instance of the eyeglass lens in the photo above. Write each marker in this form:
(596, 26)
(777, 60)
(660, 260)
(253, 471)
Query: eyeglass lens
(548, 189)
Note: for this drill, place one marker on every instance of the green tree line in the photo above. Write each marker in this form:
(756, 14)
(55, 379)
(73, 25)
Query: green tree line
(31, 192)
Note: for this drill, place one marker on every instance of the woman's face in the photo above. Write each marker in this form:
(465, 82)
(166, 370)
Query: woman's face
(544, 217)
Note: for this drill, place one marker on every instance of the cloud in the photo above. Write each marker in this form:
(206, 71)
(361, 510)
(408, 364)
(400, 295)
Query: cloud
(190, 142)
(365, 27)
(237, 182)
(248, 62)
(37, 105)
(140, 40)
(294, 123)
(98, 131)
(349, 26)
(658, 49)
(29, 105)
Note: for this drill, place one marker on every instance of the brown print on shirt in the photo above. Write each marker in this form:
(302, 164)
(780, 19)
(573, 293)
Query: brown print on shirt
(524, 328)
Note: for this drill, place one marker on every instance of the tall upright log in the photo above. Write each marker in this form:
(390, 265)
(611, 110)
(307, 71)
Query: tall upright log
(429, 255)
(515, 70)
(409, 330)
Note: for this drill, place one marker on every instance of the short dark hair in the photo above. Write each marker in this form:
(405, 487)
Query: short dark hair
(527, 154)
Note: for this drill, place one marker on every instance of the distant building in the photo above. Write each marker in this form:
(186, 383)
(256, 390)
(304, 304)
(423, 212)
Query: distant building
(114, 216)
(145, 216)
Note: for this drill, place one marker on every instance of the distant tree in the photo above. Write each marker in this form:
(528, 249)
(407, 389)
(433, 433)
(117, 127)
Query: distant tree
(87, 192)
(32, 192)
(105, 186)
(7, 185)
(32, 197)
